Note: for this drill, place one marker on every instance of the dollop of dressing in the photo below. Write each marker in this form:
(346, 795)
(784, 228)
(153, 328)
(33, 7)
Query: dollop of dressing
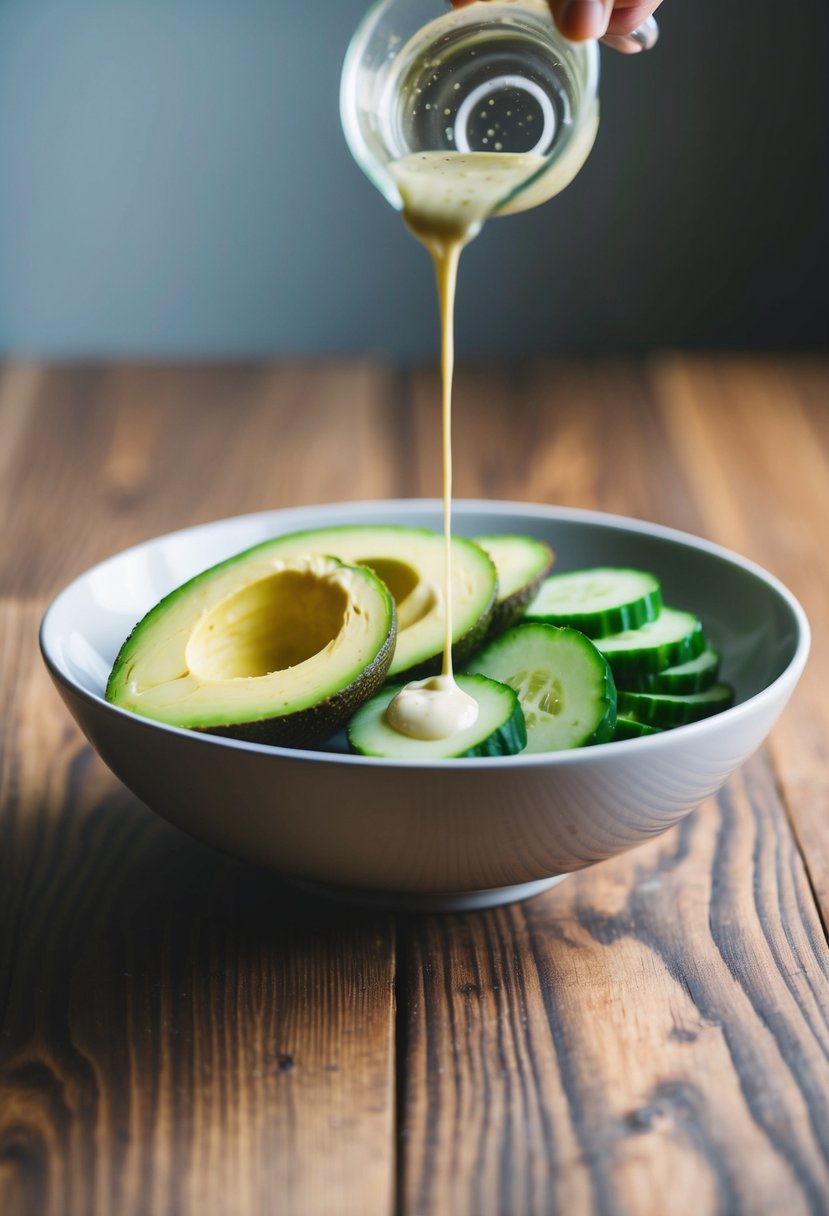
(435, 708)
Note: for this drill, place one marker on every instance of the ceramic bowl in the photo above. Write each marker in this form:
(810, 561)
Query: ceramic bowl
(454, 834)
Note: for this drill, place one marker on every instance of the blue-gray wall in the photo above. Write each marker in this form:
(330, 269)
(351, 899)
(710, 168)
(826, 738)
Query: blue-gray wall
(173, 182)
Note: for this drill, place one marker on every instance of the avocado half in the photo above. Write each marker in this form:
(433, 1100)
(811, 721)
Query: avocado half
(522, 564)
(267, 647)
(411, 563)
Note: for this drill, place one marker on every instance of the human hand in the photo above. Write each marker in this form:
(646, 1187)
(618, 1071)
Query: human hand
(610, 20)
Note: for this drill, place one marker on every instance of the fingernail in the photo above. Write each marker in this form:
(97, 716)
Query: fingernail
(623, 43)
(582, 19)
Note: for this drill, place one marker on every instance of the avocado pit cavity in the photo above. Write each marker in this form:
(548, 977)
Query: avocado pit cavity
(411, 562)
(271, 649)
(269, 625)
(415, 598)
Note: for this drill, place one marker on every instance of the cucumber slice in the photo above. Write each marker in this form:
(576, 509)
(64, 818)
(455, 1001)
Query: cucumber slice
(599, 601)
(564, 684)
(694, 676)
(629, 728)
(673, 638)
(664, 710)
(498, 731)
(521, 562)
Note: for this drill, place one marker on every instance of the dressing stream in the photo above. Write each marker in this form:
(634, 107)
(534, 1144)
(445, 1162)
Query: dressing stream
(447, 196)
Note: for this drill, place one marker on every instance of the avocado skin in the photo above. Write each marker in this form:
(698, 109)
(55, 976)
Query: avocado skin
(306, 727)
(511, 610)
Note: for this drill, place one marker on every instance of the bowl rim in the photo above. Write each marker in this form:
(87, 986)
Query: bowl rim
(598, 755)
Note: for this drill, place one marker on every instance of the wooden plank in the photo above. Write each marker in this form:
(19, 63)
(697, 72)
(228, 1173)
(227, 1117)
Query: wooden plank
(753, 439)
(19, 385)
(101, 458)
(571, 434)
(649, 1037)
(178, 1032)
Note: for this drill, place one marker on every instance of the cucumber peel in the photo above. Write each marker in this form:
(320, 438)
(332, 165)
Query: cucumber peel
(665, 710)
(674, 637)
(629, 728)
(498, 731)
(599, 601)
(563, 682)
(693, 676)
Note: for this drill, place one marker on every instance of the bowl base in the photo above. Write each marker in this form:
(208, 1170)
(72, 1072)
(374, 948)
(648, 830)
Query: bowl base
(437, 901)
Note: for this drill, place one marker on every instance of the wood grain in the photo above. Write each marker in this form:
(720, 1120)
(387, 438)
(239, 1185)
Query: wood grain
(100, 458)
(649, 1037)
(569, 434)
(182, 1035)
(179, 1032)
(755, 439)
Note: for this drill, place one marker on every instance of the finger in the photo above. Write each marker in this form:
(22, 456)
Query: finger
(628, 15)
(622, 43)
(577, 19)
(641, 30)
(582, 19)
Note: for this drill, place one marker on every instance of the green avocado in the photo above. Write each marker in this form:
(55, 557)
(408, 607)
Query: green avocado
(266, 646)
(522, 563)
(411, 562)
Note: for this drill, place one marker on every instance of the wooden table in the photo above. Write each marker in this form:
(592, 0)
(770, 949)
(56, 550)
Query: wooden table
(182, 1034)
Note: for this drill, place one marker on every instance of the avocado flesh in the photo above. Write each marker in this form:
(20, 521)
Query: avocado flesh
(261, 647)
(411, 563)
(522, 563)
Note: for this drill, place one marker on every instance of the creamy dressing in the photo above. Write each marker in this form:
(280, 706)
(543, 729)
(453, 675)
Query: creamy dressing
(432, 709)
(447, 196)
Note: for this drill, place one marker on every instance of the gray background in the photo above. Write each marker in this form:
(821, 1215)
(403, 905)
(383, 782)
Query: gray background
(174, 183)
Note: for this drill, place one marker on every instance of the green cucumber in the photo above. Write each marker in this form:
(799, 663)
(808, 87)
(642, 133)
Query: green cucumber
(564, 684)
(629, 728)
(521, 563)
(599, 601)
(664, 710)
(498, 731)
(673, 638)
(694, 676)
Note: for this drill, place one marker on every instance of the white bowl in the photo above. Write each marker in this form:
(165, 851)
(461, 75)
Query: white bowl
(454, 834)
